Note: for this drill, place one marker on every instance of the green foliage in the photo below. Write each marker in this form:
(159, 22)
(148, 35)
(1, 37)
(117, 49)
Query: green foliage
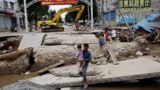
(35, 11)
(52, 13)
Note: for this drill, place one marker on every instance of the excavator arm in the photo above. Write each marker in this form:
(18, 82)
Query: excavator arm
(52, 24)
(79, 8)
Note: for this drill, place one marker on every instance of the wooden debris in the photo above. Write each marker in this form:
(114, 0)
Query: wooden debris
(113, 57)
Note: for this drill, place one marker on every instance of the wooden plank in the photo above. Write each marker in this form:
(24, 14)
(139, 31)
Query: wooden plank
(113, 57)
(50, 67)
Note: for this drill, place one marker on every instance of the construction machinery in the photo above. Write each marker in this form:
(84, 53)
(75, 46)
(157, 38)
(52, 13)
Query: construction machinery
(53, 25)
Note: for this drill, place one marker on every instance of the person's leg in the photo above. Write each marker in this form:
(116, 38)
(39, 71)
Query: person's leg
(84, 70)
(80, 64)
(80, 67)
(115, 39)
(112, 40)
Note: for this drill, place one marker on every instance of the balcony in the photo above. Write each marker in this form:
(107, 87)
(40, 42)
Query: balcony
(7, 11)
(2, 11)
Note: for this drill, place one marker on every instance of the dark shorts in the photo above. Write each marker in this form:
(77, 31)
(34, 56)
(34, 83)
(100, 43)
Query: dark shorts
(114, 38)
(84, 69)
(101, 45)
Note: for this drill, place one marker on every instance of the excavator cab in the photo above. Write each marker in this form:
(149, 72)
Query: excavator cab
(53, 25)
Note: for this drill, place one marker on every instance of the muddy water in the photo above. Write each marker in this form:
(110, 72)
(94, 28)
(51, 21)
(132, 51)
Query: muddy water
(128, 86)
(8, 79)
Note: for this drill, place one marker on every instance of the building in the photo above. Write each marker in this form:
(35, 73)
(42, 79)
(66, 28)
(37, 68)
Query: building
(139, 8)
(107, 11)
(9, 11)
(136, 9)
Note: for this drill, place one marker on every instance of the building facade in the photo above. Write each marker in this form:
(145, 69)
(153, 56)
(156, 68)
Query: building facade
(137, 9)
(8, 13)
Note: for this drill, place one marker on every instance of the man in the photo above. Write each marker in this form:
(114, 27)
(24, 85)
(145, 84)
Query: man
(87, 58)
(114, 35)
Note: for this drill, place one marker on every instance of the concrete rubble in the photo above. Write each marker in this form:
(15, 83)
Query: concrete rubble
(143, 43)
(137, 69)
(14, 62)
(10, 44)
(125, 50)
(26, 85)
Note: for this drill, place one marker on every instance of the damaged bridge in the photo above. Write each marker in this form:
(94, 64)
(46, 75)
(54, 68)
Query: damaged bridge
(134, 69)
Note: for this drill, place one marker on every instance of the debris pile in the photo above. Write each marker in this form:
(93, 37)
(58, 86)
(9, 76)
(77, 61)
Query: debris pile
(9, 45)
(143, 43)
(26, 85)
(14, 62)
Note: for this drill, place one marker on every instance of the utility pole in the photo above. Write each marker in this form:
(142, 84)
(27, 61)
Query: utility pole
(17, 16)
(102, 14)
(25, 15)
(4, 15)
(91, 4)
(92, 20)
(98, 13)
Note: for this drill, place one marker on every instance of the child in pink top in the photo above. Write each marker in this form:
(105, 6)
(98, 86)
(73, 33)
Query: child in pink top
(79, 56)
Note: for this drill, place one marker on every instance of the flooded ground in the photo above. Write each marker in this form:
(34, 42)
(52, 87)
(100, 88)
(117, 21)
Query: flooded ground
(155, 50)
(9, 79)
(126, 86)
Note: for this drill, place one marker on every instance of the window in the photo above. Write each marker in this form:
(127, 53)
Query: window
(5, 4)
(12, 5)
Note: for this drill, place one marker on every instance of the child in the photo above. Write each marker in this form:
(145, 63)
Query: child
(79, 56)
(101, 41)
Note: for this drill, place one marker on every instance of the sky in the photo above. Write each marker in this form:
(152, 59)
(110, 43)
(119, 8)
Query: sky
(57, 7)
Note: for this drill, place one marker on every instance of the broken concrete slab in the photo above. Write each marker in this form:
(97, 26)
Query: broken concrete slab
(134, 69)
(49, 55)
(66, 71)
(70, 39)
(31, 40)
(26, 85)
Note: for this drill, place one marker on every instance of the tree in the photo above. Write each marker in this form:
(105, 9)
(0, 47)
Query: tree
(52, 13)
(35, 11)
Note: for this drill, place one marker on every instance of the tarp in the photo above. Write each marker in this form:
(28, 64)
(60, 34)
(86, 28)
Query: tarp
(147, 23)
(127, 19)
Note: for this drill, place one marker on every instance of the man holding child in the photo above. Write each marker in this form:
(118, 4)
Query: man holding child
(83, 56)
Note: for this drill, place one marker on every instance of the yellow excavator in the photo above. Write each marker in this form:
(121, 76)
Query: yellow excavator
(53, 25)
